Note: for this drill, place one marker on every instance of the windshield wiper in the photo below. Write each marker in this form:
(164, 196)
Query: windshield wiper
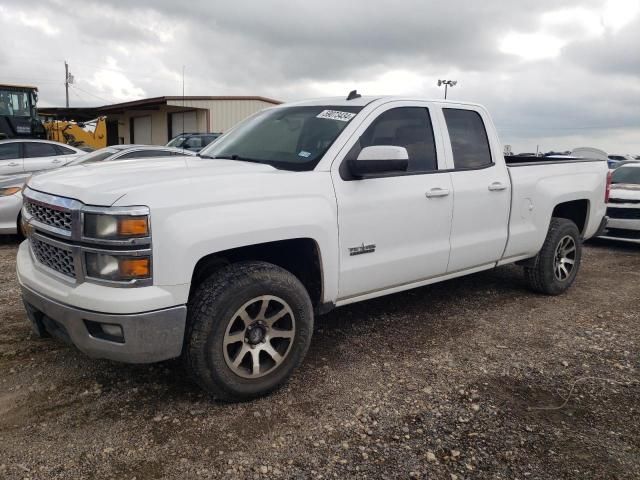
(237, 157)
(204, 156)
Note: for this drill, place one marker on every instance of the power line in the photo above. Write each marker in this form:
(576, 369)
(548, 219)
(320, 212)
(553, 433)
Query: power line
(93, 95)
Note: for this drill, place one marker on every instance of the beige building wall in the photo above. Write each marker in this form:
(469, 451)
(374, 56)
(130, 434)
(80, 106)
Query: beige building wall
(224, 114)
(212, 116)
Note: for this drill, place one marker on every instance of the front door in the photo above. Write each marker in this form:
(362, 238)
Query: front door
(394, 228)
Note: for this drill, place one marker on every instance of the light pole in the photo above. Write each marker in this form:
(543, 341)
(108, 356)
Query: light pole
(447, 83)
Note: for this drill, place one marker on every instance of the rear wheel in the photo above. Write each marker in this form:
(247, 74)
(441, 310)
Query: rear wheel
(249, 327)
(555, 267)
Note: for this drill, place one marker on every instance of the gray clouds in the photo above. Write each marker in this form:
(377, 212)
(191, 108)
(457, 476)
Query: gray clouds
(587, 93)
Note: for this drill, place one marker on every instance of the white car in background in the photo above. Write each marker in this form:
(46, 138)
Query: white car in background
(128, 152)
(11, 186)
(18, 156)
(623, 207)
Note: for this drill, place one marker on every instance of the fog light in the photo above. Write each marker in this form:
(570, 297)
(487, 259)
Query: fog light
(105, 331)
(112, 330)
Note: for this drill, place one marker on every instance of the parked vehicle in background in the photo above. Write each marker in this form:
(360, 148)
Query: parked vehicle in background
(589, 152)
(614, 159)
(623, 206)
(127, 152)
(18, 112)
(26, 156)
(11, 203)
(298, 209)
(11, 187)
(622, 163)
(193, 141)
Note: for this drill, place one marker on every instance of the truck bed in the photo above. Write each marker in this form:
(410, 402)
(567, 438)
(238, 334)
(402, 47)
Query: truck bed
(521, 161)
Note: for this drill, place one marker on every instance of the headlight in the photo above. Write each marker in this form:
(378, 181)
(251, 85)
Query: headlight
(115, 227)
(117, 268)
(6, 192)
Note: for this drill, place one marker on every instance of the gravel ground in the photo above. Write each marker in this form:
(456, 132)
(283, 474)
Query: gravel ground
(453, 381)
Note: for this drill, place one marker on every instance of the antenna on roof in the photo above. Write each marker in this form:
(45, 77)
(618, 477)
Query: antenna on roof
(353, 94)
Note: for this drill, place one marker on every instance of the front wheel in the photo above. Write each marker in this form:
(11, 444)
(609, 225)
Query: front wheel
(249, 327)
(555, 267)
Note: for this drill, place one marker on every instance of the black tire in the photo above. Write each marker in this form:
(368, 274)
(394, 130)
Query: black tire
(19, 230)
(213, 309)
(541, 276)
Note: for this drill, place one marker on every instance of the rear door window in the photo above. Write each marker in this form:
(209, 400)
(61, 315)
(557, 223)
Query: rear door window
(36, 150)
(469, 141)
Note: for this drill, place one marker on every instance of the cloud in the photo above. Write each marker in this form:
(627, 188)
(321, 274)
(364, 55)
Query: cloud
(550, 72)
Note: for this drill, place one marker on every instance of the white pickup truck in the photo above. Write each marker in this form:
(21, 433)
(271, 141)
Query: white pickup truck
(225, 259)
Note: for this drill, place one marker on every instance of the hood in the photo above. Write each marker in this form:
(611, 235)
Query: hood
(104, 183)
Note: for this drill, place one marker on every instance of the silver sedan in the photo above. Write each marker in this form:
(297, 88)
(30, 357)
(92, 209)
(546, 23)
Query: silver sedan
(11, 187)
(11, 203)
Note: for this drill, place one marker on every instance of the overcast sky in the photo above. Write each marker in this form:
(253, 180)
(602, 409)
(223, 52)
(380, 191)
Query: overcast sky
(559, 74)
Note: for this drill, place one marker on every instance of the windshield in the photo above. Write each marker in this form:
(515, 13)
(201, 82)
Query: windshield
(15, 103)
(626, 175)
(95, 156)
(291, 138)
(176, 142)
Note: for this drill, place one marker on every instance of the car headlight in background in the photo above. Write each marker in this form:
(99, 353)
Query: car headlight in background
(6, 192)
(115, 227)
(117, 268)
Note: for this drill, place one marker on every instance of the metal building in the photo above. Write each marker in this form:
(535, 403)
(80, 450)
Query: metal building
(154, 121)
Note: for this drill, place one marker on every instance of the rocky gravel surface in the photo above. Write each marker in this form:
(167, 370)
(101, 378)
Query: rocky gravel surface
(472, 378)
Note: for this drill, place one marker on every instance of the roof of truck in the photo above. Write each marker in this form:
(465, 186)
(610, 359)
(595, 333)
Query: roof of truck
(367, 99)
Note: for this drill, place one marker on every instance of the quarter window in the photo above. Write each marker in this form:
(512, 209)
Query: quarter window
(469, 141)
(64, 150)
(35, 150)
(408, 127)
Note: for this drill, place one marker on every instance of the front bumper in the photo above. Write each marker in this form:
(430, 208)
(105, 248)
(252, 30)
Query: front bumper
(147, 337)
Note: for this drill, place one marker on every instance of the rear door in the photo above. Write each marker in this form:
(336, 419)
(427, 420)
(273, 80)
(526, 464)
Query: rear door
(11, 161)
(482, 190)
(41, 156)
(394, 228)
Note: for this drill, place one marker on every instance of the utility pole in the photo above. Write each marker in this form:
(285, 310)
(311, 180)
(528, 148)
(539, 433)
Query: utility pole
(66, 82)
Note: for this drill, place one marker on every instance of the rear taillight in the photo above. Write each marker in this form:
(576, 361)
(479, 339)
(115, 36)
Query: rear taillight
(607, 191)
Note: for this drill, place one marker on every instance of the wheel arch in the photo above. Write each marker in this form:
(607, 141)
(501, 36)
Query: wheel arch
(300, 256)
(575, 210)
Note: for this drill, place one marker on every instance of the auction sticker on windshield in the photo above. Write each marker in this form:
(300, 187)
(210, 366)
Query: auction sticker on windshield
(336, 115)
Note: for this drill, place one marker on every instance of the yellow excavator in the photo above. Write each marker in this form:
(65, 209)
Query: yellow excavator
(92, 133)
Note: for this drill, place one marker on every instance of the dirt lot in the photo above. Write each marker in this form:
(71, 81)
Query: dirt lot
(449, 381)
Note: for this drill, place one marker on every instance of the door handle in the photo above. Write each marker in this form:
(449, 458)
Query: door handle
(13, 164)
(56, 161)
(437, 192)
(497, 186)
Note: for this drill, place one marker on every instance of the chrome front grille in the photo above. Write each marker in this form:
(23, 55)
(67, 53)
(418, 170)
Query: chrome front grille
(49, 216)
(54, 257)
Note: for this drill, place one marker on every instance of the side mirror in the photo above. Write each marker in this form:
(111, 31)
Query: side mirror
(379, 159)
